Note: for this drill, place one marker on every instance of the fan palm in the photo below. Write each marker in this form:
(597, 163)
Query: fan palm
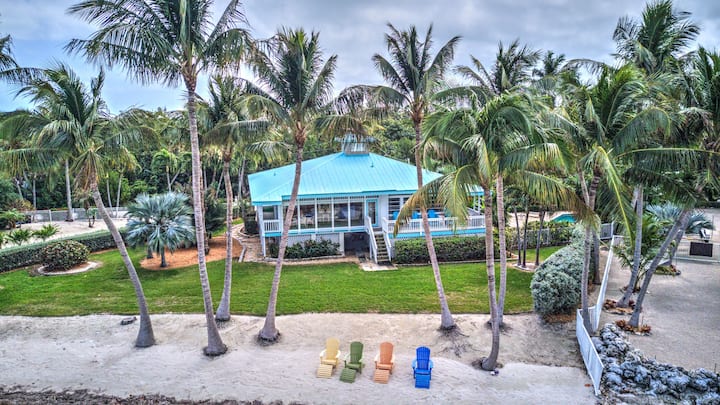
(413, 76)
(160, 221)
(169, 41)
(81, 125)
(229, 128)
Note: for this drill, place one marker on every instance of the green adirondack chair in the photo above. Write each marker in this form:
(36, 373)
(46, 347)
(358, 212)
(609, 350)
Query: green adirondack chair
(353, 363)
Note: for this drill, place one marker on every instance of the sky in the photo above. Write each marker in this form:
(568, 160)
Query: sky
(353, 30)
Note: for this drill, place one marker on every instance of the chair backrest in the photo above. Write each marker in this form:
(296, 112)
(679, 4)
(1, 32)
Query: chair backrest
(356, 349)
(423, 357)
(386, 352)
(332, 345)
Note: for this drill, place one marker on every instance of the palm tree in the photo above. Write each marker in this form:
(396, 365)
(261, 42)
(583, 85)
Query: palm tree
(414, 76)
(79, 119)
(160, 221)
(169, 41)
(229, 128)
(295, 89)
(511, 70)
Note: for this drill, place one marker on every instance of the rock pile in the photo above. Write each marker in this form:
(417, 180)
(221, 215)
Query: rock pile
(628, 373)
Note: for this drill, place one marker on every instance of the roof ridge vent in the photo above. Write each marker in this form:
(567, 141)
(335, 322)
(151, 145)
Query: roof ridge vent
(355, 145)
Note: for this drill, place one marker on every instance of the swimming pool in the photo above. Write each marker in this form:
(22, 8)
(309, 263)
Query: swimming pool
(565, 218)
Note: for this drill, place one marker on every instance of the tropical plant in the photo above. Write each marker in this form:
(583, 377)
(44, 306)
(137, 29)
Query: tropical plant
(46, 232)
(63, 255)
(160, 222)
(169, 41)
(19, 236)
(653, 230)
(82, 128)
(414, 76)
(228, 127)
(295, 90)
(10, 218)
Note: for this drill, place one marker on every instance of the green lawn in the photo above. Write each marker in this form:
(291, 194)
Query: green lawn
(312, 288)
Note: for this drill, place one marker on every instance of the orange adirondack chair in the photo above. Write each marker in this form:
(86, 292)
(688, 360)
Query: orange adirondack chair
(384, 363)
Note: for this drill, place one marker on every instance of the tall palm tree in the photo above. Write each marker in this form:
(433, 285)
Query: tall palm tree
(511, 70)
(414, 76)
(161, 221)
(169, 41)
(79, 114)
(295, 87)
(229, 127)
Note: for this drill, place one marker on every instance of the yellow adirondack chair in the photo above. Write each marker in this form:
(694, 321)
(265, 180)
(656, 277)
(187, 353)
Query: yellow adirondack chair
(329, 358)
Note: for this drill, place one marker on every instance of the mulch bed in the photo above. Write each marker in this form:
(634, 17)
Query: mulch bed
(188, 257)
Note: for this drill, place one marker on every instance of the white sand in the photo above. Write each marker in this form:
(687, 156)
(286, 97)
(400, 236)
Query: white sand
(96, 353)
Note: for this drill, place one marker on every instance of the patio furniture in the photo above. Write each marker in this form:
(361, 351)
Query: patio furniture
(422, 367)
(353, 363)
(329, 358)
(384, 363)
(432, 213)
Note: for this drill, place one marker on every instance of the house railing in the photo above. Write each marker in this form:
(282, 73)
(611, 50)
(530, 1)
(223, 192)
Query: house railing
(373, 243)
(271, 225)
(436, 224)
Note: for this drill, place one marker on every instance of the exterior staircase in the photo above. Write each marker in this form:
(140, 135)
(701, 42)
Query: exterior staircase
(382, 253)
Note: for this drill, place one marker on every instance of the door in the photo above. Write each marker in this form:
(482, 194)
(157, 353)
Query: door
(371, 210)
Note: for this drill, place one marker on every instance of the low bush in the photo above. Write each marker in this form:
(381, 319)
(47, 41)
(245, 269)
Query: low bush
(556, 283)
(453, 249)
(63, 255)
(307, 249)
(21, 256)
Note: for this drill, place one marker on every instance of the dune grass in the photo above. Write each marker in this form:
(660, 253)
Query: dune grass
(340, 287)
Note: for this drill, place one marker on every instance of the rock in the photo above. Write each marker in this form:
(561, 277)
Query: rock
(641, 376)
(658, 387)
(128, 320)
(709, 398)
(678, 383)
(700, 384)
(613, 379)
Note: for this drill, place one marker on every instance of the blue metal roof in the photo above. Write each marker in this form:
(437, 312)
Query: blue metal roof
(337, 174)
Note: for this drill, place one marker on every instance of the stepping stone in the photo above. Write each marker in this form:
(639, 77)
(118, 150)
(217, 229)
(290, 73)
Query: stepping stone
(348, 375)
(325, 371)
(381, 376)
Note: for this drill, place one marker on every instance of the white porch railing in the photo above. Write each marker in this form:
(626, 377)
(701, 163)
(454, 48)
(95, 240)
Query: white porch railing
(271, 225)
(371, 233)
(436, 224)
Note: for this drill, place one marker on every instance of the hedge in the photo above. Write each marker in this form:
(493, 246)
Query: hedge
(452, 249)
(26, 255)
(308, 249)
(556, 283)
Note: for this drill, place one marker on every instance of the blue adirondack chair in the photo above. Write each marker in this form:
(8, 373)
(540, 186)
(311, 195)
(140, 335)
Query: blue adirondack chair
(432, 213)
(422, 367)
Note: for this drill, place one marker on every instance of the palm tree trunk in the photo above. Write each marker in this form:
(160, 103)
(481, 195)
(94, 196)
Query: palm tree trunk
(167, 177)
(107, 191)
(678, 226)
(625, 300)
(68, 192)
(597, 277)
(34, 193)
(446, 320)
(490, 362)
(538, 239)
(517, 229)
(215, 345)
(163, 262)
(584, 281)
(241, 184)
(525, 234)
(117, 202)
(500, 198)
(17, 186)
(676, 243)
(145, 337)
(223, 312)
(269, 332)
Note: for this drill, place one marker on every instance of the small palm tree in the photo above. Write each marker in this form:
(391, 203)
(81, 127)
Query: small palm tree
(19, 236)
(170, 41)
(46, 232)
(160, 221)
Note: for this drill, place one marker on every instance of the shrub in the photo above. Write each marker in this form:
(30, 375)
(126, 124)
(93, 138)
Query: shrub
(251, 226)
(307, 249)
(20, 256)
(46, 232)
(62, 255)
(19, 236)
(555, 285)
(453, 249)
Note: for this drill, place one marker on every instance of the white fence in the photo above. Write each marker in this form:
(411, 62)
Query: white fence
(593, 364)
(77, 214)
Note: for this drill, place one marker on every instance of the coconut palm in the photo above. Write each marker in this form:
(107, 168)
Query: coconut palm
(160, 221)
(169, 41)
(295, 88)
(79, 119)
(229, 128)
(414, 76)
(511, 70)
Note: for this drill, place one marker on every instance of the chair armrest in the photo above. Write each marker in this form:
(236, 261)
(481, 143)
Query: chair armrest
(430, 364)
(414, 364)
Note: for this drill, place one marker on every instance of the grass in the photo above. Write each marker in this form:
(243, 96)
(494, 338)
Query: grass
(340, 287)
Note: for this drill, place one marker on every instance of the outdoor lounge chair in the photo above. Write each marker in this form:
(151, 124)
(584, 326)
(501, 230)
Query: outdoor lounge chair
(422, 367)
(353, 363)
(329, 358)
(384, 363)
(432, 214)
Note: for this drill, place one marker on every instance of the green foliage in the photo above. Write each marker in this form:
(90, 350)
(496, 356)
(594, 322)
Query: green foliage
(555, 285)
(63, 255)
(8, 194)
(251, 226)
(15, 257)
(453, 249)
(46, 232)
(307, 249)
(10, 218)
(19, 236)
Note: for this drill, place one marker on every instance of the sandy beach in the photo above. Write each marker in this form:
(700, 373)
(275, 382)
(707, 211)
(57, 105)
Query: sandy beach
(540, 362)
